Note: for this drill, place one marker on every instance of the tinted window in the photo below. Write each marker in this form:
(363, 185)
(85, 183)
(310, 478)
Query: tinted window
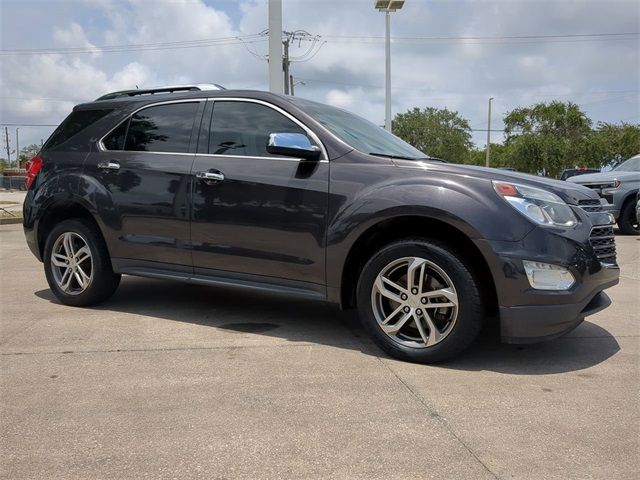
(165, 128)
(115, 140)
(74, 124)
(243, 128)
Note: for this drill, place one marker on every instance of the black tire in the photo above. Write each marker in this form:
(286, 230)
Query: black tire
(104, 281)
(627, 221)
(470, 303)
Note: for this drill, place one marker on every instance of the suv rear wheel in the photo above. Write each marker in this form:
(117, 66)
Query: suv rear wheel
(419, 301)
(77, 265)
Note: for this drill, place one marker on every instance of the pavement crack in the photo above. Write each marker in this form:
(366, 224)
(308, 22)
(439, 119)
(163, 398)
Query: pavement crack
(434, 414)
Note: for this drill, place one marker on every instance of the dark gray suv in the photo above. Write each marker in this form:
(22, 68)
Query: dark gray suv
(279, 194)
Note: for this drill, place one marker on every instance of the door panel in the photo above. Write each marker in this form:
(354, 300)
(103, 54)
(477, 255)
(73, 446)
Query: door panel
(149, 190)
(268, 216)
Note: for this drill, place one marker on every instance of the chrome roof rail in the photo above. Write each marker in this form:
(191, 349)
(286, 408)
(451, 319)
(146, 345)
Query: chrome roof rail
(167, 89)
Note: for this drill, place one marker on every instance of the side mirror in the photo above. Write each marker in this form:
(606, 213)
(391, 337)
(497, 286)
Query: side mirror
(292, 145)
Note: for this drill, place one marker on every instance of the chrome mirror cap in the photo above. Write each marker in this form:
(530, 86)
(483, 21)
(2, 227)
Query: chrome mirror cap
(292, 145)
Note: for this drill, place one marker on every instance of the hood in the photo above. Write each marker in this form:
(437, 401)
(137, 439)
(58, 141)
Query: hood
(604, 177)
(571, 193)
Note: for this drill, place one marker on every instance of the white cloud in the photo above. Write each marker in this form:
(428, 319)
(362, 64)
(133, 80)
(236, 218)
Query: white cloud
(347, 72)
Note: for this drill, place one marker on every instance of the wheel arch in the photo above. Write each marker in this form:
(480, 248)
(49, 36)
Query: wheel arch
(59, 211)
(410, 226)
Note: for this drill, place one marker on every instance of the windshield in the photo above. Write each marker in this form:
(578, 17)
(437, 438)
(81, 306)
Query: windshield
(630, 165)
(358, 132)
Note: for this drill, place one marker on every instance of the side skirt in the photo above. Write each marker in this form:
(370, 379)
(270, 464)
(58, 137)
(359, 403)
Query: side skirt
(181, 273)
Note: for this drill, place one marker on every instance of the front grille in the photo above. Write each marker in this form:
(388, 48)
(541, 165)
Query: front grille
(604, 244)
(591, 205)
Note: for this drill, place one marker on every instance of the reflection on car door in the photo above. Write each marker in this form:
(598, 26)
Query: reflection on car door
(268, 215)
(145, 164)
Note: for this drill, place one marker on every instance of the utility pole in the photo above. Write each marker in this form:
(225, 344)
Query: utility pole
(488, 134)
(285, 64)
(6, 139)
(276, 83)
(17, 148)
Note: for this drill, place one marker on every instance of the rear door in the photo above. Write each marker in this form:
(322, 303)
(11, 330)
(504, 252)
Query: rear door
(267, 217)
(145, 165)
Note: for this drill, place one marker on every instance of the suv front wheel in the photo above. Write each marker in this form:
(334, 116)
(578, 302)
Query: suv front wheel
(77, 265)
(419, 301)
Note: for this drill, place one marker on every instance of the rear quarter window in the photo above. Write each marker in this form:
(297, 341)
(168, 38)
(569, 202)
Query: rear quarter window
(75, 123)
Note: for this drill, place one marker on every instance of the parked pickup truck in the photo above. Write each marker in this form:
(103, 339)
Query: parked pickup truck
(619, 187)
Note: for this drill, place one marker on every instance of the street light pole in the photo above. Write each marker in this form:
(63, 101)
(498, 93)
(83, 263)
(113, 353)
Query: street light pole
(388, 6)
(17, 148)
(488, 133)
(387, 74)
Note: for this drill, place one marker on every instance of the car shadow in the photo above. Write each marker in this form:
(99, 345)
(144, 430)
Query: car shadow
(318, 322)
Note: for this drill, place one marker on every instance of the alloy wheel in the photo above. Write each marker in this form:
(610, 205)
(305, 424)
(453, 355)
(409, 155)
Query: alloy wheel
(71, 263)
(414, 302)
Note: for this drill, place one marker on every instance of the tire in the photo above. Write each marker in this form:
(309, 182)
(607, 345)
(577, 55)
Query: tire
(627, 221)
(458, 323)
(95, 271)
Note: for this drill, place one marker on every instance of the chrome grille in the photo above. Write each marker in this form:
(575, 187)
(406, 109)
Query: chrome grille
(591, 205)
(604, 244)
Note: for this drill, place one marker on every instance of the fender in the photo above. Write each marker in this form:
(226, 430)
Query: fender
(471, 207)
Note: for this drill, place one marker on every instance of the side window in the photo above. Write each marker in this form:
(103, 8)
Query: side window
(77, 121)
(115, 140)
(164, 128)
(243, 128)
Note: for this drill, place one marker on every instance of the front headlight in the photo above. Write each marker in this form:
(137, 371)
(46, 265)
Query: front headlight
(541, 206)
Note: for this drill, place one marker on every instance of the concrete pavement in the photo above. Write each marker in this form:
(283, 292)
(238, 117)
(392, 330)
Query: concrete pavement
(168, 380)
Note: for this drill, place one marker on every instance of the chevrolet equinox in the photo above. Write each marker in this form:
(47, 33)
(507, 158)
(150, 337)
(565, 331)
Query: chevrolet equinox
(275, 193)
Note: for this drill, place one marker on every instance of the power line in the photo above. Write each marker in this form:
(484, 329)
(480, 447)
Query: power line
(207, 42)
(259, 37)
(577, 36)
(28, 125)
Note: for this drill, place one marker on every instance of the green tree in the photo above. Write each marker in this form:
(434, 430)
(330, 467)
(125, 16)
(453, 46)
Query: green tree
(548, 137)
(27, 153)
(611, 143)
(439, 133)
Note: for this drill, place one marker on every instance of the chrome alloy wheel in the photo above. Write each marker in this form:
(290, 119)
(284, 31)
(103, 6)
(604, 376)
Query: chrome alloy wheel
(414, 302)
(71, 263)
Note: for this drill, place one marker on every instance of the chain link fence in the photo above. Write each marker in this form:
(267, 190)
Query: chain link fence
(12, 182)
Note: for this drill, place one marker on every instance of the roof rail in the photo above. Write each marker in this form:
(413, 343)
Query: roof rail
(167, 89)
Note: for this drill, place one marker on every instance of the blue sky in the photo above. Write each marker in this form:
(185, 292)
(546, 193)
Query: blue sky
(602, 74)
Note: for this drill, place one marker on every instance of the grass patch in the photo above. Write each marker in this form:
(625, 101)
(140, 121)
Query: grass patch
(4, 202)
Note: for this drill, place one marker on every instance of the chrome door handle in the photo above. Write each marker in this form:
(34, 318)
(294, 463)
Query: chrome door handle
(210, 176)
(109, 166)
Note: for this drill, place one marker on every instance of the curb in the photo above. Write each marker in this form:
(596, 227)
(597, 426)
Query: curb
(10, 221)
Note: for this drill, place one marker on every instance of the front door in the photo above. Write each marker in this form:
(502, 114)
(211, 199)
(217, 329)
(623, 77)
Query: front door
(145, 165)
(261, 214)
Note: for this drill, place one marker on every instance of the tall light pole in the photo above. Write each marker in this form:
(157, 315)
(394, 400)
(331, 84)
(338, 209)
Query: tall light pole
(17, 148)
(488, 133)
(388, 6)
(276, 80)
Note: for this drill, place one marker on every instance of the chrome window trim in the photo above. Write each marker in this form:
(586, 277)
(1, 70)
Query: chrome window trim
(166, 102)
(311, 133)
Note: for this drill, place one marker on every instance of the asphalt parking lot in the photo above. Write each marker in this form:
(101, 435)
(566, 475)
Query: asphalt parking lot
(168, 380)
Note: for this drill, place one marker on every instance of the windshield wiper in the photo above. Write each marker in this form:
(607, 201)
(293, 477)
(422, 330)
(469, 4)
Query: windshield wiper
(399, 157)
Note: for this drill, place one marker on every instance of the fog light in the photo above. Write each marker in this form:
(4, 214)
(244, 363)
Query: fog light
(545, 276)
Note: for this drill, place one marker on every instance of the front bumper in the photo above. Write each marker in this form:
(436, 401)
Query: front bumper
(530, 315)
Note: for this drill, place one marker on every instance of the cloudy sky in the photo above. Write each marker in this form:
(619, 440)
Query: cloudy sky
(446, 53)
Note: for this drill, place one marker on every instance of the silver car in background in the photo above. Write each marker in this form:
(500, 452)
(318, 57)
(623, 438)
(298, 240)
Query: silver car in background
(619, 187)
